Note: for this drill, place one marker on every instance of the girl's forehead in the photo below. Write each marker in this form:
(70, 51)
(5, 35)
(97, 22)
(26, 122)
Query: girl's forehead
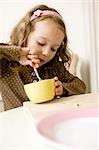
(47, 30)
(47, 23)
(48, 27)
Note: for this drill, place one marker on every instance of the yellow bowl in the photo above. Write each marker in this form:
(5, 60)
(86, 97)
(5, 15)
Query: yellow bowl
(40, 91)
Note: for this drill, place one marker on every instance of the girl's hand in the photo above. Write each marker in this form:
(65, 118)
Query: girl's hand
(58, 87)
(28, 58)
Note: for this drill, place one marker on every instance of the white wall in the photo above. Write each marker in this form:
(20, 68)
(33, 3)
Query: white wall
(76, 14)
(97, 37)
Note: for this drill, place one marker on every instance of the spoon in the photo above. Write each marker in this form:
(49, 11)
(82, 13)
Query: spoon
(36, 72)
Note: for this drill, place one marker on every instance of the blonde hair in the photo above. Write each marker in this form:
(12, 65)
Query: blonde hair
(20, 33)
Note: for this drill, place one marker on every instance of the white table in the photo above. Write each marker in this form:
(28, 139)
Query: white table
(17, 127)
(17, 131)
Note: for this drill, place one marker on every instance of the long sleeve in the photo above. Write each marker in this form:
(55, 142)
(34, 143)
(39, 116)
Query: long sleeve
(72, 84)
(11, 86)
(75, 86)
(10, 52)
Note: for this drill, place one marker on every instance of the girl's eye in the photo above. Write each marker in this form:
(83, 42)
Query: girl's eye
(42, 44)
(54, 50)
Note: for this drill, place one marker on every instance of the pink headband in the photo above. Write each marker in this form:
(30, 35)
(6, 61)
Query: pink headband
(39, 13)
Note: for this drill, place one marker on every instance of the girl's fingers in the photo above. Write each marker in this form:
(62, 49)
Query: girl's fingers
(57, 90)
(58, 93)
(57, 83)
(58, 87)
(35, 62)
(29, 56)
(26, 62)
(32, 63)
(36, 65)
(56, 78)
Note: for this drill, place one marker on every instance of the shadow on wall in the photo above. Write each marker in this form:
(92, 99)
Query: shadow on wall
(1, 104)
(83, 72)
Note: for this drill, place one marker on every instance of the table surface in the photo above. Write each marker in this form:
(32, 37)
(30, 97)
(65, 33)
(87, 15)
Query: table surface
(39, 111)
(17, 126)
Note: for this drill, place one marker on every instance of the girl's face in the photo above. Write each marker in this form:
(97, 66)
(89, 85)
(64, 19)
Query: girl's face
(45, 40)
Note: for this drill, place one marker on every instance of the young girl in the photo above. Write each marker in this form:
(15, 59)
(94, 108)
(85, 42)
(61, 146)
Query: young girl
(39, 40)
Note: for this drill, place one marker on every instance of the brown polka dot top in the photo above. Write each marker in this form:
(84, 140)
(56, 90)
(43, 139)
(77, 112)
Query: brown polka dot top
(13, 76)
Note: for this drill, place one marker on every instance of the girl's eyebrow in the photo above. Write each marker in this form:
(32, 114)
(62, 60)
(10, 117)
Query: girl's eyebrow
(48, 40)
(42, 37)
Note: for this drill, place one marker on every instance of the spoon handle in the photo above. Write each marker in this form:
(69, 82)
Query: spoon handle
(36, 72)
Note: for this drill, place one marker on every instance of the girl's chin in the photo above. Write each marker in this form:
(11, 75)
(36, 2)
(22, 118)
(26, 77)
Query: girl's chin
(42, 63)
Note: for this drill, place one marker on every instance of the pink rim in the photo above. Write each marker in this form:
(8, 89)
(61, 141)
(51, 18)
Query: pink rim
(45, 126)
